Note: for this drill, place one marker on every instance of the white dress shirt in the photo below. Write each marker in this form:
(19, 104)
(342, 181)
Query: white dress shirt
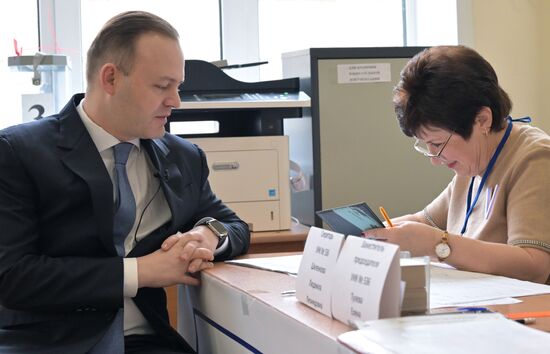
(146, 189)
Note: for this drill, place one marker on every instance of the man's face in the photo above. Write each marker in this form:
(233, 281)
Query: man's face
(144, 99)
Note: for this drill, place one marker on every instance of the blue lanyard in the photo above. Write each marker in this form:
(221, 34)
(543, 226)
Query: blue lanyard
(469, 205)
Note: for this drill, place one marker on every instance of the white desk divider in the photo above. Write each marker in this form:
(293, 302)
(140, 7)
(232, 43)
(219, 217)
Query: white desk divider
(352, 279)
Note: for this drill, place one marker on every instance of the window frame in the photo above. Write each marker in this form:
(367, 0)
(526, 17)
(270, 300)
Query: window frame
(239, 39)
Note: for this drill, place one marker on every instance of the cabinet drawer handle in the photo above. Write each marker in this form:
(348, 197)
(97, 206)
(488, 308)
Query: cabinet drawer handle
(220, 166)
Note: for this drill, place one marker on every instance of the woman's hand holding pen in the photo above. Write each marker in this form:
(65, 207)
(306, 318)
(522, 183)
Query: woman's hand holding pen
(418, 238)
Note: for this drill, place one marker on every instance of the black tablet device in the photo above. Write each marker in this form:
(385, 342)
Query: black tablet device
(351, 219)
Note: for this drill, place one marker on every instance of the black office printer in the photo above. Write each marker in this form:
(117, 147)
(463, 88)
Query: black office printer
(241, 108)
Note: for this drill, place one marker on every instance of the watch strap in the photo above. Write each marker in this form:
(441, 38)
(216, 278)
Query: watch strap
(203, 221)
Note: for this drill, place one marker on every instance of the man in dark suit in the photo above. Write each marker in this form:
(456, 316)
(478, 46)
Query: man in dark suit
(64, 281)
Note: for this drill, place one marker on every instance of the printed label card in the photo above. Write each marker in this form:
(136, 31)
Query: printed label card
(352, 279)
(368, 279)
(314, 282)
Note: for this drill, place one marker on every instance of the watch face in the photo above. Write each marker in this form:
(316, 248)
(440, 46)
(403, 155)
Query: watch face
(218, 227)
(443, 250)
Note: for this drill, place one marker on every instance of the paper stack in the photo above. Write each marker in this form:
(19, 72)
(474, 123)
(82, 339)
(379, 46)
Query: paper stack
(415, 272)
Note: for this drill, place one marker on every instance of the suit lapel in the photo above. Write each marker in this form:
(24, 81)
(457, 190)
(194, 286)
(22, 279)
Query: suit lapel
(83, 159)
(171, 179)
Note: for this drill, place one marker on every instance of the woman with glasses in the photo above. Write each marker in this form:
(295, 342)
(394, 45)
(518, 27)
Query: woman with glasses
(494, 215)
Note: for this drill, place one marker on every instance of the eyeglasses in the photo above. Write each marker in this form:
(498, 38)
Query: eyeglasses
(422, 148)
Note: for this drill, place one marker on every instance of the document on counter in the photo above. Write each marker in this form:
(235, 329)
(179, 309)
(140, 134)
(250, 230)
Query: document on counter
(448, 287)
(451, 287)
(448, 333)
(281, 264)
(351, 279)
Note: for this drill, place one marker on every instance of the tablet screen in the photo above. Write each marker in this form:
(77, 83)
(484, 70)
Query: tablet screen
(351, 219)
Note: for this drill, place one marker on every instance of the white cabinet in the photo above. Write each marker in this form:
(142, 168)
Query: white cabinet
(251, 176)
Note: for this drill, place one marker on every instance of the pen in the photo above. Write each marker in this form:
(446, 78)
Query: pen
(383, 211)
(521, 315)
(526, 321)
(464, 310)
(288, 292)
(473, 309)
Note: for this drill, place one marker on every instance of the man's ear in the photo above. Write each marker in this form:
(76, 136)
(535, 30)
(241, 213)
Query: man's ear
(484, 118)
(107, 76)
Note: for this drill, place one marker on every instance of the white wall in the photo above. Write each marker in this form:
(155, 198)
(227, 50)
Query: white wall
(513, 36)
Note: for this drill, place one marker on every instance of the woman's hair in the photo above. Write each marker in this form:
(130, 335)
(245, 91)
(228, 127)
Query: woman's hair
(117, 39)
(445, 87)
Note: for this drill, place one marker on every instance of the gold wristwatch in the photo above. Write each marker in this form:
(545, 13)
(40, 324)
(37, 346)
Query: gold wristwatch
(443, 249)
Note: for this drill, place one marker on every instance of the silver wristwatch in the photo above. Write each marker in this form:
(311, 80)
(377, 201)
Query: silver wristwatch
(217, 228)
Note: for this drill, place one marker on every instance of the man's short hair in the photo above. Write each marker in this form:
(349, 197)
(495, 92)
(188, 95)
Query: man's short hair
(116, 41)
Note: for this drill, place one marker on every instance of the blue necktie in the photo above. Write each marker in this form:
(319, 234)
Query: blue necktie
(125, 207)
(125, 214)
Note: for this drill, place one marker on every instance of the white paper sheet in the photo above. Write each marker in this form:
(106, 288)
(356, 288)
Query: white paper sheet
(455, 333)
(451, 287)
(363, 73)
(281, 264)
(503, 301)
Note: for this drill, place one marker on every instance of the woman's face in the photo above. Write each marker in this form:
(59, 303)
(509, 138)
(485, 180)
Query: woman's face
(465, 157)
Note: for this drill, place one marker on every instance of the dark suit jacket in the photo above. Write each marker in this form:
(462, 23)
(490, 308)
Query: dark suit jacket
(61, 281)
